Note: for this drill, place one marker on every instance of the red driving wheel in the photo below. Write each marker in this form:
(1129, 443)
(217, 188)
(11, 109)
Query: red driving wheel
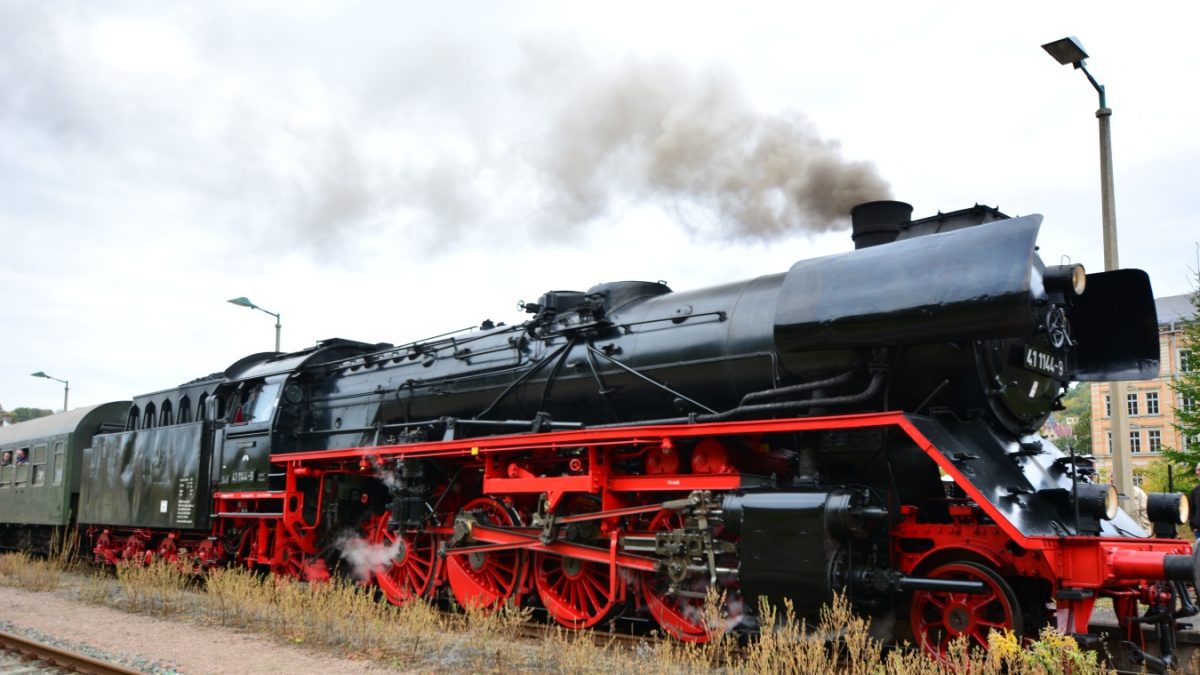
(413, 568)
(683, 617)
(938, 617)
(576, 592)
(487, 580)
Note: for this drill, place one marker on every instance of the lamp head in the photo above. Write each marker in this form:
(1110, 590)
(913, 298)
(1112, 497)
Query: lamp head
(41, 374)
(1067, 50)
(242, 302)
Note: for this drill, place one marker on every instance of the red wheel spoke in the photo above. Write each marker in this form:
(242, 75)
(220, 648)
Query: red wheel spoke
(937, 602)
(980, 638)
(589, 588)
(982, 601)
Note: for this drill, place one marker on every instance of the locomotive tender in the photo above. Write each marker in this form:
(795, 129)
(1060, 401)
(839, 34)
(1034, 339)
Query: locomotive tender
(864, 422)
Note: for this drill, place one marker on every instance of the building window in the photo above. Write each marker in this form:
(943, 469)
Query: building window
(1131, 403)
(1135, 441)
(1107, 405)
(1137, 479)
(1185, 361)
(1109, 435)
(1152, 403)
(1155, 440)
(1187, 404)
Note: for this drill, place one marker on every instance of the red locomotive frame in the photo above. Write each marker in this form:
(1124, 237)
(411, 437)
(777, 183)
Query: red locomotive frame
(502, 557)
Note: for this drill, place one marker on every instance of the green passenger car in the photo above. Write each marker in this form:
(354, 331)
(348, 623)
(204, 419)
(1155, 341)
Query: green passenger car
(40, 470)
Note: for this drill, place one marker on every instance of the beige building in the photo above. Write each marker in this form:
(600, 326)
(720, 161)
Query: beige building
(1150, 404)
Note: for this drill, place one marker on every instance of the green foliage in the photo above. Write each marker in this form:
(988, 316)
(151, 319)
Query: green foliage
(1081, 433)
(1154, 476)
(1187, 388)
(26, 414)
(1077, 405)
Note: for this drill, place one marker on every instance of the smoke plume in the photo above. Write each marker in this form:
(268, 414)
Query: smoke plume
(364, 557)
(655, 131)
(143, 112)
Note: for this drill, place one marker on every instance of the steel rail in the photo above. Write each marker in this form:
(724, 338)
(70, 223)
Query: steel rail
(62, 658)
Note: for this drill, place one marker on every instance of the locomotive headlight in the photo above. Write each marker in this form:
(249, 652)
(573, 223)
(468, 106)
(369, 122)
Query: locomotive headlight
(1167, 507)
(1097, 501)
(1071, 279)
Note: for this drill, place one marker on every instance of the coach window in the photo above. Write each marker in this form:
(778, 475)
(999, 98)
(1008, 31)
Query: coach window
(59, 462)
(202, 407)
(135, 416)
(6, 472)
(21, 460)
(164, 418)
(185, 410)
(39, 465)
(148, 418)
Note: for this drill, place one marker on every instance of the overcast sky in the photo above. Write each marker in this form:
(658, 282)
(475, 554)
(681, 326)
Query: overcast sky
(388, 171)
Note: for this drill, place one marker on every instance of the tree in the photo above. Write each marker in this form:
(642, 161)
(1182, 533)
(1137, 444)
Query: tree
(1155, 478)
(1078, 407)
(1187, 391)
(26, 414)
(1081, 432)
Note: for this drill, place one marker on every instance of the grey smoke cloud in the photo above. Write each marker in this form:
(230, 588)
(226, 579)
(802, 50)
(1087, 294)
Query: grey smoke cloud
(282, 156)
(655, 131)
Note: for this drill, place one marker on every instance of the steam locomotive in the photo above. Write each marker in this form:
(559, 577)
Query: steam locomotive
(862, 423)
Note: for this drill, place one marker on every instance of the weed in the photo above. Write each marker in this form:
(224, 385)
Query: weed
(32, 574)
(347, 617)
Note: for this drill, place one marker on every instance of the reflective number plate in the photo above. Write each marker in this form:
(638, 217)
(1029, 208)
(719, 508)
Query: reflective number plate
(1041, 362)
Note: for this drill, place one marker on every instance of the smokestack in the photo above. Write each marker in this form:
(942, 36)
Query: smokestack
(876, 223)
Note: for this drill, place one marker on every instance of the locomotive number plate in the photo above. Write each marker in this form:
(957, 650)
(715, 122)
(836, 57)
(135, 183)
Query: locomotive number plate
(1046, 364)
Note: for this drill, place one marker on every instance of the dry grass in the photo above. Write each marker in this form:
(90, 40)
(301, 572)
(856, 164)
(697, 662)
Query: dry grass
(41, 574)
(346, 618)
(156, 588)
(25, 571)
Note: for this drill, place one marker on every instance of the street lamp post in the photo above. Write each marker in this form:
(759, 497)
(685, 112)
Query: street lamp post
(1069, 51)
(66, 386)
(243, 302)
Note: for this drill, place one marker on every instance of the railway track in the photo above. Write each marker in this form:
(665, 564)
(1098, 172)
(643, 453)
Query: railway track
(23, 655)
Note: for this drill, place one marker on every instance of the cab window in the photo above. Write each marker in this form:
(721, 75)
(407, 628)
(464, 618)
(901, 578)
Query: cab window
(255, 403)
(264, 402)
